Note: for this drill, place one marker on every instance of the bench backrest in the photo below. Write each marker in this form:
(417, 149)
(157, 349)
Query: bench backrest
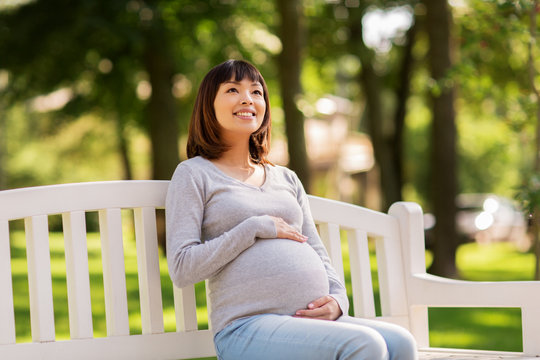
(336, 221)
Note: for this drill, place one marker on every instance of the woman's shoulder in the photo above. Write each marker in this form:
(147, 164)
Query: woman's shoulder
(193, 167)
(194, 164)
(285, 173)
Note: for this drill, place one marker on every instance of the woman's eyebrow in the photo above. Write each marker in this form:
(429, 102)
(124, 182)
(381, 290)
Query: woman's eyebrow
(256, 83)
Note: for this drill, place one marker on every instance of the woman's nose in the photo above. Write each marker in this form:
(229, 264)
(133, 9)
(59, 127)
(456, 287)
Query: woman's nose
(247, 99)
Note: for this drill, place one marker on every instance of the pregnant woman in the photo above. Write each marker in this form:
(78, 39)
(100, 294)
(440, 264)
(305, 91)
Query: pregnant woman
(245, 225)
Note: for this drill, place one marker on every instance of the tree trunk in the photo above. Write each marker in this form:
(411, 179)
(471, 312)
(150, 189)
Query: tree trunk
(384, 144)
(3, 151)
(535, 228)
(402, 95)
(162, 117)
(161, 111)
(289, 68)
(443, 137)
(123, 149)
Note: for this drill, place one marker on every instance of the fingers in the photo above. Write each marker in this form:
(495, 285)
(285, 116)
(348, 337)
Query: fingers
(285, 231)
(324, 308)
(320, 302)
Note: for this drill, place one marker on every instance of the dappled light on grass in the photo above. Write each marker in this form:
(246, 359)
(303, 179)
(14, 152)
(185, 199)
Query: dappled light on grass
(478, 329)
(483, 328)
(494, 262)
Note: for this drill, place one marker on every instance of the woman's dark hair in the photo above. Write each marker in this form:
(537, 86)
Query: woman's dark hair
(204, 130)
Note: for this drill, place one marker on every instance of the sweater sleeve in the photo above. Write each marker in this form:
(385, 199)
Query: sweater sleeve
(337, 288)
(189, 259)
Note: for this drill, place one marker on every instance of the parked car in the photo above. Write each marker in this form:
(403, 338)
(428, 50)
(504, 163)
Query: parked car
(486, 218)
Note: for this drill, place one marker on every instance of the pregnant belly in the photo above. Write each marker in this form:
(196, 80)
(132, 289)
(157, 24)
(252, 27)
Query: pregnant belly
(272, 276)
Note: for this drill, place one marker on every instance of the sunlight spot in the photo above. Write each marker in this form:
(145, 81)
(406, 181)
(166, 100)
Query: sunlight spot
(52, 101)
(382, 26)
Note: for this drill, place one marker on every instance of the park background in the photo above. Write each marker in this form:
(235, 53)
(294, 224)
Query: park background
(372, 102)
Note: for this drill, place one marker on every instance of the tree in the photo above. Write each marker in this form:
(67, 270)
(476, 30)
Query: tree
(388, 145)
(162, 118)
(443, 139)
(289, 66)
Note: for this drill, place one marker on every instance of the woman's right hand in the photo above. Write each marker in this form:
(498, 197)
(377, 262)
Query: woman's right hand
(286, 231)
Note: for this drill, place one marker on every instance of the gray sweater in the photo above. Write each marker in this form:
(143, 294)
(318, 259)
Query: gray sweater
(218, 229)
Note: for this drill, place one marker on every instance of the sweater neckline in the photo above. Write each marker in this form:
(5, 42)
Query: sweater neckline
(223, 174)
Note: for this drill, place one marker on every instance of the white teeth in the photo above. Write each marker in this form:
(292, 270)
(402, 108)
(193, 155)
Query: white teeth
(244, 114)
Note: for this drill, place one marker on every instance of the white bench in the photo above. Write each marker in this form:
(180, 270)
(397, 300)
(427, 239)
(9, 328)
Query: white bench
(406, 291)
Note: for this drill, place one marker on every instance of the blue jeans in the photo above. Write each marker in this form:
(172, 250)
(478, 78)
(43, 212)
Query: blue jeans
(280, 337)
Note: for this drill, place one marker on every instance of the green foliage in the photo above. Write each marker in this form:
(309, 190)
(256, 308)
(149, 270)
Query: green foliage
(96, 50)
(528, 194)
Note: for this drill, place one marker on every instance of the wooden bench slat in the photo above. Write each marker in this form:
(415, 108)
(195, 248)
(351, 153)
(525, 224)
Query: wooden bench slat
(77, 275)
(148, 269)
(171, 345)
(391, 278)
(89, 196)
(185, 308)
(39, 278)
(7, 314)
(362, 285)
(114, 273)
(331, 238)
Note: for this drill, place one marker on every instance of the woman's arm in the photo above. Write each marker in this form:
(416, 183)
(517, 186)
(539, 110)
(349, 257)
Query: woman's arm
(189, 259)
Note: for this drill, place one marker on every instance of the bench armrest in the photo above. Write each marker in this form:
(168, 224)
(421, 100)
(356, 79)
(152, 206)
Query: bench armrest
(431, 290)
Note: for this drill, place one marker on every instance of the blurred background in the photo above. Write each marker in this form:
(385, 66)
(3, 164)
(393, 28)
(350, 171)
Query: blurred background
(372, 101)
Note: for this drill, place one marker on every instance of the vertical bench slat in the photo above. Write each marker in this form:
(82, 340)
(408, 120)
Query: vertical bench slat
(185, 308)
(114, 273)
(7, 324)
(332, 241)
(530, 316)
(364, 304)
(148, 269)
(77, 275)
(39, 278)
(391, 277)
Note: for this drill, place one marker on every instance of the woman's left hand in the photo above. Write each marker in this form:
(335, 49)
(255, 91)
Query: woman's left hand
(324, 308)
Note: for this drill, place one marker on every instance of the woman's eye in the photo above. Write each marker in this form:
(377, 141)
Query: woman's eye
(232, 90)
(257, 92)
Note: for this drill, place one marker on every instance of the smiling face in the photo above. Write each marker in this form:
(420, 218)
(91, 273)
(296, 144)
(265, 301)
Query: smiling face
(232, 101)
(239, 107)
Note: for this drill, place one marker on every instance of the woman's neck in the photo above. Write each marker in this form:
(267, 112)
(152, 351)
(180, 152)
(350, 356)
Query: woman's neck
(236, 156)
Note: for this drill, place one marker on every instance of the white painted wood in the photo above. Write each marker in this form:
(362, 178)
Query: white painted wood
(185, 308)
(362, 285)
(530, 318)
(419, 325)
(39, 278)
(458, 354)
(331, 238)
(391, 278)
(114, 274)
(148, 269)
(406, 290)
(77, 275)
(411, 234)
(350, 217)
(91, 196)
(7, 324)
(172, 345)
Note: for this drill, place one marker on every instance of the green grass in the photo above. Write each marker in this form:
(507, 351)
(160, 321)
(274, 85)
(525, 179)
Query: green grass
(493, 329)
(485, 328)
